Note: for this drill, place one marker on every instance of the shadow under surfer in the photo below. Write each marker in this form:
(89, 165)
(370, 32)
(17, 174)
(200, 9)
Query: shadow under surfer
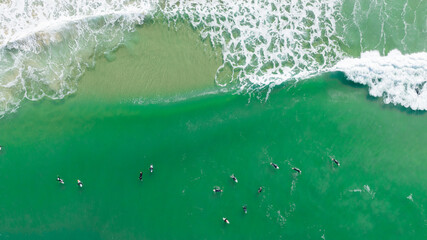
(140, 176)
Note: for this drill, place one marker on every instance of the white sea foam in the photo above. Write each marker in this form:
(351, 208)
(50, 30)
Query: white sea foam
(366, 189)
(45, 46)
(398, 78)
(21, 19)
(265, 42)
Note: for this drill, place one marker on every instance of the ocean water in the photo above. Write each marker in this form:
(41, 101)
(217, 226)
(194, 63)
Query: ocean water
(99, 90)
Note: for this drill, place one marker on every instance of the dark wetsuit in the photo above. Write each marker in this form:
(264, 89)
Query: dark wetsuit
(335, 161)
(234, 178)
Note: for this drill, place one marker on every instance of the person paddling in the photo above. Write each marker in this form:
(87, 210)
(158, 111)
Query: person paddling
(60, 180)
(140, 176)
(226, 220)
(79, 183)
(260, 189)
(245, 209)
(217, 189)
(274, 165)
(335, 161)
(296, 170)
(151, 168)
(234, 178)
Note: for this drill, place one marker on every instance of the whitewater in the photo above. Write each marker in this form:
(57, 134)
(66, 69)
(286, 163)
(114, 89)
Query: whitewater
(46, 46)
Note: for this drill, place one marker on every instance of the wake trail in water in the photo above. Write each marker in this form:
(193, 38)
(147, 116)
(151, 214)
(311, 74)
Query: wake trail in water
(45, 46)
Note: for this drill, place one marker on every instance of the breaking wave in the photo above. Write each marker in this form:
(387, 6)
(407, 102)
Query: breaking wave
(45, 46)
(399, 79)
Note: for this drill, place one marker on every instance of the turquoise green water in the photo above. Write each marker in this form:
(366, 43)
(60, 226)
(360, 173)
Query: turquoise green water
(197, 144)
(154, 97)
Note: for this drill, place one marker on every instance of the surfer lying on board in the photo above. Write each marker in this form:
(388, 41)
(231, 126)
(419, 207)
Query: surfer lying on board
(140, 176)
(296, 170)
(245, 210)
(234, 178)
(274, 165)
(151, 168)
(217, 189)
(79, 183)
(60, 180)
(225, 220)
(335, 161)
(259, 189)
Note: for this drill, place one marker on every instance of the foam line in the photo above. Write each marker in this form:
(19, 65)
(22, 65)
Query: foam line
(398, 78)
(45, 46)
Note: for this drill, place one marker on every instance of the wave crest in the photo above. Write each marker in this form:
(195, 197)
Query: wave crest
(398, 78)
(265, 43)
(46, 46)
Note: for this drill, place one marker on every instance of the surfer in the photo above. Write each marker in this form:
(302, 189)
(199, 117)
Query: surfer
(274, 165)
(60, 180)
(259, 189)
(151, 168)
(0, 148)
(225, 220)
(245, 210)
(140, 176)
(234, 178)
(217, 189)
(335, 161)
(297, 169)
(79, 183)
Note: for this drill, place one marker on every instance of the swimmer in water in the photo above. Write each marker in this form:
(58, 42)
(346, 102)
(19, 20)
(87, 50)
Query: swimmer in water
(335, 161)
(79, 183)
(140, 176)
(245, 210)
(60, 180)
(225, 220)
(259, 189)
(234, 178)
(217, 189)
(297, 169)
(274, 165)
(151, 168)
